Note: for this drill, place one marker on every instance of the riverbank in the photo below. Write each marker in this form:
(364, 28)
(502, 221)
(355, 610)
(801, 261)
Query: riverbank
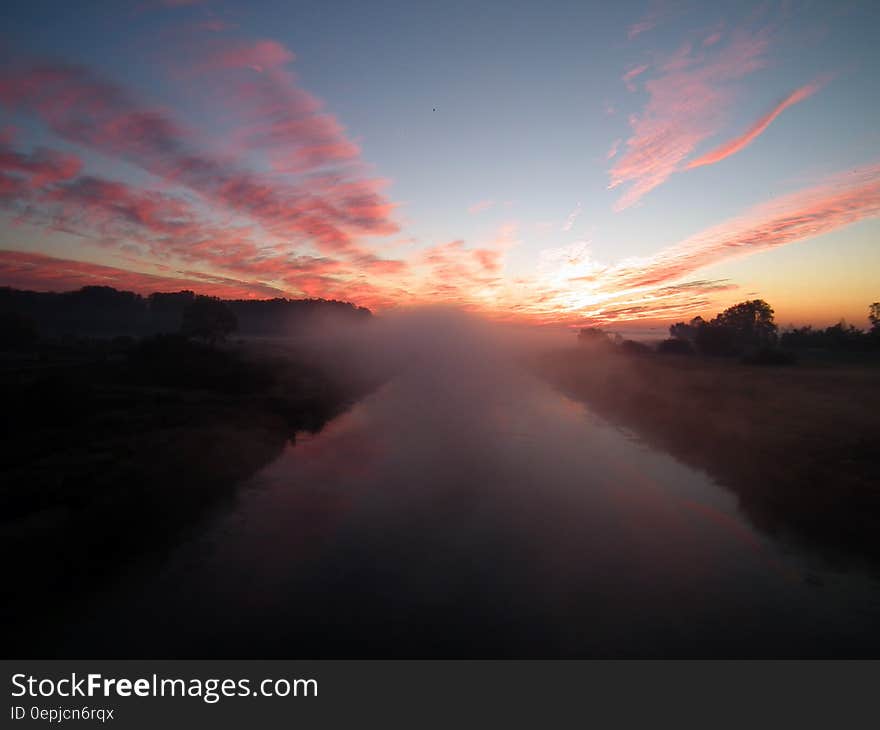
(798, 444)
(112, 448)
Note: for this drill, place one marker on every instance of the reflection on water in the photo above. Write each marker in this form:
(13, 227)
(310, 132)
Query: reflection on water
(474, 511)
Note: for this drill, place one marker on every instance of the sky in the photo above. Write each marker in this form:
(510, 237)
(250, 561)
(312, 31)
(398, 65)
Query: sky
(559, 163)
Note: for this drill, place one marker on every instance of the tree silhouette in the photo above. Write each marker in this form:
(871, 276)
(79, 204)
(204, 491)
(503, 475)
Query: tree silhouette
(743, 328)
(874, 316)
(675, 346)
(208, 318)
(686, 332)
(593, 336)
(750, 323)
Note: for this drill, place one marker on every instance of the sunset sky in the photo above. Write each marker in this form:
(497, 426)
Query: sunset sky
(572, 163)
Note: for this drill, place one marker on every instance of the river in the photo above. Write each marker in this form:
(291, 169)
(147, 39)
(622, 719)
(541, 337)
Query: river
(469, 509)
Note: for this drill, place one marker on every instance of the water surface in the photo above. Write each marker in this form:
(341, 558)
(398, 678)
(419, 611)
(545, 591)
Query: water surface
(472, 510)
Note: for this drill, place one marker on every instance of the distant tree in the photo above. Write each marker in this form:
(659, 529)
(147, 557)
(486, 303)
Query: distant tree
(209, 319)
(687, 331)
(101, 310)
(874, 316)
(750, 323)
(631, 347)
(593, 336)
(843, 336)
(714, 338)
(744, 327)
(166, 309)
(837, 338)
(173, 301)
(675, 346)
(801, 338)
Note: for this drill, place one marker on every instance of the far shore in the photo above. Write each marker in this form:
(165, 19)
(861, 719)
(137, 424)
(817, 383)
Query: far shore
(797, 444)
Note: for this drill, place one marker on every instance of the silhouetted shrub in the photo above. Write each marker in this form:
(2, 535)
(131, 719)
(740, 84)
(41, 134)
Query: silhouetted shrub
(840, 337)
(715, 339)
(631, 347)
(744, 327)
(209, 319)
(750, 323)
(593, 336)
(686, 332)
(675, 347)
(174, 361)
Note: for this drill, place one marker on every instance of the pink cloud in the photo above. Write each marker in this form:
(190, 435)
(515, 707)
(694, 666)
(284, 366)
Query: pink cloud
(168, 227)
(661, 304)
(572, 288)
(572, 217)
(215, 25)
(687, 103)
(636, 29)
(46, 273)
(481, 206)
(488, 259)
(744, 140)
(331, 213)
(274, 114)
(612, 150)
(630, 75)
(658, 11)
(840, 201)
(467, 276)
(42, 167)
(259, 56)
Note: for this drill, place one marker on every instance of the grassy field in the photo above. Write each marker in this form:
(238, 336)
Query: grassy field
(800, 445)
(110, 450)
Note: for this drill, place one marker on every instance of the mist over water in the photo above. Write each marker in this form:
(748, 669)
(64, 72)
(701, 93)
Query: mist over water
(466, 508)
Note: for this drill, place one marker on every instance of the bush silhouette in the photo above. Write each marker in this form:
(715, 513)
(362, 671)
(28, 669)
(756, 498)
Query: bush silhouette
(209, 319)
(631, 347)
(673, 346)
(742, 329)
(593, 336)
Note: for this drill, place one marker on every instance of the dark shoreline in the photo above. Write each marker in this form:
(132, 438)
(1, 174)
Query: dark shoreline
(108, 457)
(797, 445)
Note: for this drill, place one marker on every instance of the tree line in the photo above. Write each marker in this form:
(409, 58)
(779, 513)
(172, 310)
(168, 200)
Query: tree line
(748, 330)
(105, 311)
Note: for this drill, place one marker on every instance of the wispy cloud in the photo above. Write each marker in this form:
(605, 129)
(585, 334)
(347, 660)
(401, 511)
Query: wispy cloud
(636, 29)
(481, 206)
(686, 105)
(572, 217)
(571, 286)
(612, 150)
(39, 272)
(840, 201)
(735, 145)
(329, 210)
(650, 19)
(630, 75)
